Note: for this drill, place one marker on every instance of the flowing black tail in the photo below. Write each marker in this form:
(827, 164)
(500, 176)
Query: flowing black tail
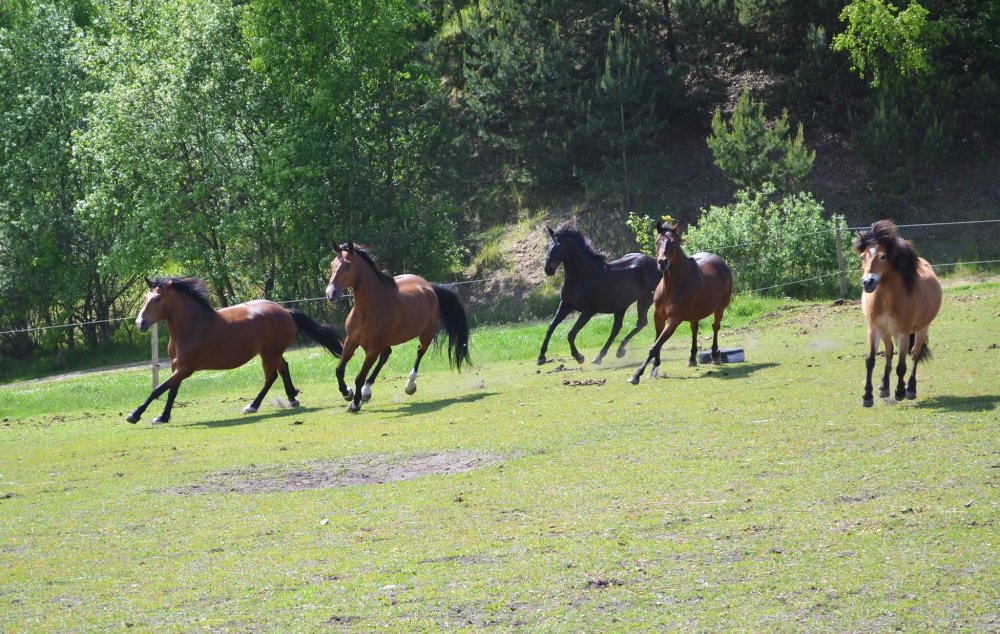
(322, 334)
(456, 324)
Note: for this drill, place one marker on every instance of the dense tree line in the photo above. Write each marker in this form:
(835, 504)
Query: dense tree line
(237, 140)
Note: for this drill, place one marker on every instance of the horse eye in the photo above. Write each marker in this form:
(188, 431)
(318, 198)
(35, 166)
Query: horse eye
(882, 257)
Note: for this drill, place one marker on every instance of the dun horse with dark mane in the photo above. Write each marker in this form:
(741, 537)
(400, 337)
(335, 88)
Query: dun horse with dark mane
(389, 311)
(202, 338)
(901, 298)
(593, 285)
(692, 288)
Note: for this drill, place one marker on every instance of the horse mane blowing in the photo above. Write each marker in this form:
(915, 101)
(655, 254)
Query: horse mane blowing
(568, 229)
(903, 256)
(193, 287)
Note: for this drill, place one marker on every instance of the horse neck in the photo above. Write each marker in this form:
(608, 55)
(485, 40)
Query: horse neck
(188, 319)
(369, 291)
(580, 263)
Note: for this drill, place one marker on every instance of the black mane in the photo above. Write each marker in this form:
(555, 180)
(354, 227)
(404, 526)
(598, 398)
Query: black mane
(190, 286)
(901, 253)
(568, 230)
(383, 277)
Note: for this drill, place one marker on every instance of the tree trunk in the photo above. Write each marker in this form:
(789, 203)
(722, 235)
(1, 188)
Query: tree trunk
(671, 42)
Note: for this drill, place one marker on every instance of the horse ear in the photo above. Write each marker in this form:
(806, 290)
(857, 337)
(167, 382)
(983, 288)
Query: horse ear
(350, 246)
(552, 234)
(661, 227)
(149, 283)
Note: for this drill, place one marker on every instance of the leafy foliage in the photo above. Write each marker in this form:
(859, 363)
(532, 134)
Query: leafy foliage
(779, 241)
(752, 151)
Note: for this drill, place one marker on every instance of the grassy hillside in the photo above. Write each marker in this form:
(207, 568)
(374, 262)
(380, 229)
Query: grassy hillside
(755, 496)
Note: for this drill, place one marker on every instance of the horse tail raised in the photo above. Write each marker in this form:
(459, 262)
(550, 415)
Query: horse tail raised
(456, 324)
(322, 334)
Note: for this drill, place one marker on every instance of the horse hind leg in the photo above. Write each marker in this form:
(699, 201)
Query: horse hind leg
(902, 342)
(616, 327)
(411, 380)
(286, 379)
(693, 361)
(920, 351)
(270, 376)
(642, 318)
(716, 324)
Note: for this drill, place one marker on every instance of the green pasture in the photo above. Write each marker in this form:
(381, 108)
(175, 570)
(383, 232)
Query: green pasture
(757, 496)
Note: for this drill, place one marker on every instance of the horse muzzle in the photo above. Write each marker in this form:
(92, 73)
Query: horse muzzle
(663, 265)
(550, 270)
(869, 282)
(141, 324)
(332, 293)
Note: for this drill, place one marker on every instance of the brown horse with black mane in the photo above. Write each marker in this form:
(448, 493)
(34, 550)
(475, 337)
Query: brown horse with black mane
(901, 298)
(202, 338)
(692, 288)
(389, 311)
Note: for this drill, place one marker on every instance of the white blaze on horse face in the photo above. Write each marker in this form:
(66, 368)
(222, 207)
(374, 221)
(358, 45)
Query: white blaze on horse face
(141, 320)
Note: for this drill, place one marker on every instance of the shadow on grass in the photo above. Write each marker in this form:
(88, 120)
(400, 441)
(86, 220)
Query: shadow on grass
(727, 371)
(425, 407)
(984, 403)
(247, 419)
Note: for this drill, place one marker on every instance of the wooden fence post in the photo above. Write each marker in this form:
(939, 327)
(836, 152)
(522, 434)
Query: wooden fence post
(154, 338)
(840, 264)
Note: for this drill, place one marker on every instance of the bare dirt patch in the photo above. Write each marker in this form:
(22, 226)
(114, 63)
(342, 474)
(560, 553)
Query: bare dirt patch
(325, 474)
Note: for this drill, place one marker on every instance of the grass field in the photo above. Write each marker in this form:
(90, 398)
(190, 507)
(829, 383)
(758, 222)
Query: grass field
(755, 496)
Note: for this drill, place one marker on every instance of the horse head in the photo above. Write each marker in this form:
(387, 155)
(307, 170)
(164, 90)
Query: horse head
(554, 253)
(668, 244)
(155, 304)
(343, 273)
(883, 251)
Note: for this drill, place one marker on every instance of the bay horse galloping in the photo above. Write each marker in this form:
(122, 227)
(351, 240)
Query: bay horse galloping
(593, 285)
(389, 311)
(691, 289)
(901, 298)
(202, 338)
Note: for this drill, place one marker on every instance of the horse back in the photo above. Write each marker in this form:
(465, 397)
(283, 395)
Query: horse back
(242, 332)
(714, 268)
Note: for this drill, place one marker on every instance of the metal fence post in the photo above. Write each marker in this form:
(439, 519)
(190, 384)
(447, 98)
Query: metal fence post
(154, 338)
(840, 265)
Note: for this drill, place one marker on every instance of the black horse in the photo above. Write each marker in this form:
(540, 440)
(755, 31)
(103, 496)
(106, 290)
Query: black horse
(594, 285)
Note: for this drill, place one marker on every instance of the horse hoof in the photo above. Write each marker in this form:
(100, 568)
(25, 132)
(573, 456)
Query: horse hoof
(692, 363)
(597, 360)
(716, 361)
(867, 402)
(366, 395)
(349, 394)
(293, 402)
(900, 397)
(911, 395)
(410, 390)
(579, 357)
(132, 418)
(353, 407)
(883, 393)
(620, 353)
(249, 409)
(634, 379)
(542, 361)
(159, 420)
(654, 372)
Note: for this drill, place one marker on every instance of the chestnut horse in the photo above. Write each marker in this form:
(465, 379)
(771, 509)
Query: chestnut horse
(692, 288)
(901, 298)
(593, 285)
(202, 338)
(389, 311)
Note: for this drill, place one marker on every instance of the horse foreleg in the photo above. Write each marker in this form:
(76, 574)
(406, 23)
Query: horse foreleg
(366, 391)
(903, 343)
(172, 383)
(867, 399)
(654, 353)
(693, 361)
(270, 376)
(164, 416)
(642, 311)
(286, 379)
(561, 313)
(883, 390)
(616, 327)
(580, 323)
(349, 347)
(370, 358)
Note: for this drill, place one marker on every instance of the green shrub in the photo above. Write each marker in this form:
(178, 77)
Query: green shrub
(770, 242)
